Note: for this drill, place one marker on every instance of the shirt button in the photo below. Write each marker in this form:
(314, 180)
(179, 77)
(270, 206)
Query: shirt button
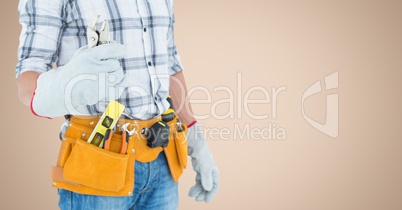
(145, 29)
(149, 63)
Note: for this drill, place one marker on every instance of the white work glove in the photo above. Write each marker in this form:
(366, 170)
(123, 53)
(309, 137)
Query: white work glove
(207, 179)
(85, 80)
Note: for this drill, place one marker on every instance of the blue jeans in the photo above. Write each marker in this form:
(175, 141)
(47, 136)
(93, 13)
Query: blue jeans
(154, 189)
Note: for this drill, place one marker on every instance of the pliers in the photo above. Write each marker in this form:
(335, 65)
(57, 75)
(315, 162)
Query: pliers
(124, 142)
(97, 37)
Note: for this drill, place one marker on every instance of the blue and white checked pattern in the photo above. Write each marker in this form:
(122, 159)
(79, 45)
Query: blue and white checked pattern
(53, 30)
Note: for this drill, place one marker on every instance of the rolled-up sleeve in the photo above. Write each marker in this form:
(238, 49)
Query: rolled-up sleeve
(42, 24)
(174, 62)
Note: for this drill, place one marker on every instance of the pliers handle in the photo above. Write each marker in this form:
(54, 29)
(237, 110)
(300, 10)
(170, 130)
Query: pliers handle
(124, 141)
(108, 139)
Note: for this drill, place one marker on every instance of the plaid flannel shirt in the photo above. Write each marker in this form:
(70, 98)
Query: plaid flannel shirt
(53, 30)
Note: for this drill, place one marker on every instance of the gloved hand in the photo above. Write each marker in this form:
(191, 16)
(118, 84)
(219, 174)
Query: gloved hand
(84, 80)
(207, 179)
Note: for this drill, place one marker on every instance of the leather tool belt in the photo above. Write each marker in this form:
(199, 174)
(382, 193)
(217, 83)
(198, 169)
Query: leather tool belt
(88, 169)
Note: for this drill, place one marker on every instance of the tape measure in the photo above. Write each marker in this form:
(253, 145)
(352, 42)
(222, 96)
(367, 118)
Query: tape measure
(169, 114)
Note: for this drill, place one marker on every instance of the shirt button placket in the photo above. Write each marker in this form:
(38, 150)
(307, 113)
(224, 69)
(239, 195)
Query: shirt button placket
(148, 50)
(148, 53)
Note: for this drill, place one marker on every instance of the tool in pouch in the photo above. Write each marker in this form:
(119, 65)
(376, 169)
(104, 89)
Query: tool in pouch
(170, 114)
(124, 142)
(158, 134)
(102, 134)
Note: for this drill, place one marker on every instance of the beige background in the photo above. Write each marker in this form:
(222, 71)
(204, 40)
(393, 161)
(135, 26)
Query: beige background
(273, 43)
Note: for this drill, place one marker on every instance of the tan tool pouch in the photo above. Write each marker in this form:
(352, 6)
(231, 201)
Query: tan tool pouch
(88, 169)
(180, 139)
(176, 151)
(97, 168)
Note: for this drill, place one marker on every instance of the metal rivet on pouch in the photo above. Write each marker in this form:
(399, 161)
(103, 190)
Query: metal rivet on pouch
(130, 193)
(133, 150)
(91, 123)
(70, 124)
(54, 183)
(83, 134)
